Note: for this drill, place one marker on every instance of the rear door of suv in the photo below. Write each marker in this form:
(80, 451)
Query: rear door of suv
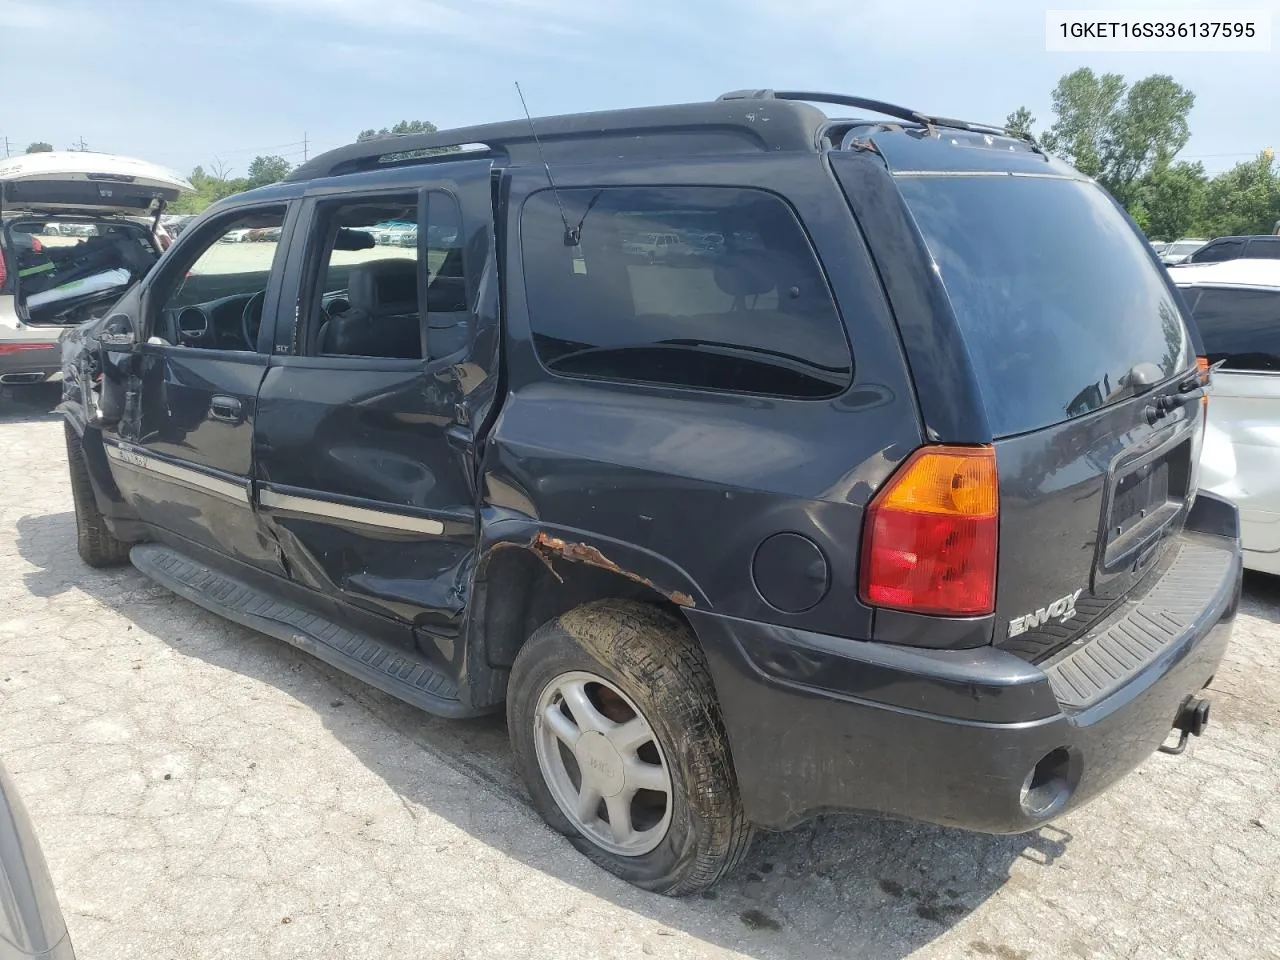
(369, 410)
(1057, 315)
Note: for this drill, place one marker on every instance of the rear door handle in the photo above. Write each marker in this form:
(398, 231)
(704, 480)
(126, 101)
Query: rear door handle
(226, 408)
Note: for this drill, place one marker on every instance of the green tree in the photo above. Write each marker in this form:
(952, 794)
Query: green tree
(264, 170)
(40, 147)
(1119, 133)
(1084, 108)
(1245, 199)
(1149, 129)
(1020, 122)
(209, 188)
(401, 128)
(1173, 194)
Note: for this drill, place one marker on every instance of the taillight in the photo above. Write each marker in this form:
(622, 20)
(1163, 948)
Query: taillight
(930, 535)
(9, 348)
(4, 273)
(1202, 364)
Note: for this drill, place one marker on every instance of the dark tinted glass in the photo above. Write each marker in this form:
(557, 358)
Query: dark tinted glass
(708, 287)
(1240, 326)
(1265, 248)
(1055, 294)
(1217, 251)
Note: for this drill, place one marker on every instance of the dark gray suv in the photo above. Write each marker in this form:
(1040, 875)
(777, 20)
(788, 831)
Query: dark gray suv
(881, 496)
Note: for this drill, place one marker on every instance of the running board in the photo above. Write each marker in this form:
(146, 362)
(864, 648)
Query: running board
(392, 669)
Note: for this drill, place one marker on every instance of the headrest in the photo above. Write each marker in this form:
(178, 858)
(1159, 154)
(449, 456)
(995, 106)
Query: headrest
(383, 286)
(744, 275)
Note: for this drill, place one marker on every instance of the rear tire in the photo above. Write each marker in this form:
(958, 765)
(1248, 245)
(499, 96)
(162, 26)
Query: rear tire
(635, 663)
(94, 542)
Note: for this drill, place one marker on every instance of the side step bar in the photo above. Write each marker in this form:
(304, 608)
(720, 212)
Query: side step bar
(392, 669)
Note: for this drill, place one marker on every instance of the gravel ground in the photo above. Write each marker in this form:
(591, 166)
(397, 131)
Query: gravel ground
(202, 791)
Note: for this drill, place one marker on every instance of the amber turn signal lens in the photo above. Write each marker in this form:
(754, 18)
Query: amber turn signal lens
(930, 535)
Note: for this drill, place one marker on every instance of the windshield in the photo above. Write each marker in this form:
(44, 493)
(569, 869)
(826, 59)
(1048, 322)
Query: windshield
(1055, 293)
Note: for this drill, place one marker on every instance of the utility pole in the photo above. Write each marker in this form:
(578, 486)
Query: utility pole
(80, 145)
(6, 146)
(304, 146)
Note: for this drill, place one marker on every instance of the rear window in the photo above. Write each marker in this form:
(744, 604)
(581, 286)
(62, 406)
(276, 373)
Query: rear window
(1056, 295)
(714, 288)
(1241, 327)
(1218, 251)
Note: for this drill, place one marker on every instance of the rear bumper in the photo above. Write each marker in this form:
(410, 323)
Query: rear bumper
(35, 362)
(821, 723)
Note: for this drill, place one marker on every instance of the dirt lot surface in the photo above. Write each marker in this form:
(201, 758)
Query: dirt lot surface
(202, 791)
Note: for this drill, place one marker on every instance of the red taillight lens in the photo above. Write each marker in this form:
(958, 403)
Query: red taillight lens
(6, 348)
(930, 536)
(4, 273)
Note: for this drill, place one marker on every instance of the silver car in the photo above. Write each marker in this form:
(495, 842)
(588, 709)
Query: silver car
(1236, 305)
(31, 924)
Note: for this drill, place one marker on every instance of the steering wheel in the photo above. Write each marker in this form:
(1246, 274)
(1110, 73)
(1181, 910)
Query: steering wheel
(251, 319)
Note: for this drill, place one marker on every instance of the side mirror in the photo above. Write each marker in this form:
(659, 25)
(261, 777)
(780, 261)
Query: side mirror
(117, 333)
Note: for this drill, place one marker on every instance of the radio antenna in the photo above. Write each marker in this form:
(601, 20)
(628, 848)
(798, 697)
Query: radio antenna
(572, 235)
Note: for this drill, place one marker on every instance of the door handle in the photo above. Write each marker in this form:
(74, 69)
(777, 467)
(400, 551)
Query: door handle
(228, 409)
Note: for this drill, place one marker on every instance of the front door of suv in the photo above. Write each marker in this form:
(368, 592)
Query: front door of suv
(365, 432)
(182, 450)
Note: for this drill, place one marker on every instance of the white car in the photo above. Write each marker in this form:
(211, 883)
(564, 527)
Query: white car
(104, 207)
(1179, 250)
(1236, 305)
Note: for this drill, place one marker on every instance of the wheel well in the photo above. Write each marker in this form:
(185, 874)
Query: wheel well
(520, 591)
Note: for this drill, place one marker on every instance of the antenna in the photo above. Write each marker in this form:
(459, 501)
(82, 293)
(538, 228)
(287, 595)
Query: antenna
(572, 235)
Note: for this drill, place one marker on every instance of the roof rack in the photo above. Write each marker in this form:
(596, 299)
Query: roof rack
(865, 103)
(717, 126)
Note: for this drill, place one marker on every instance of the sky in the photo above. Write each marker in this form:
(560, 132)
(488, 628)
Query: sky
(182, 82)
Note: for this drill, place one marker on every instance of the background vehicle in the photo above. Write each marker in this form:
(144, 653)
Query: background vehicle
(52, 280)
(1237, 248)
(719, 574)
(1179, 250)
(31, 924)
(1237, 309)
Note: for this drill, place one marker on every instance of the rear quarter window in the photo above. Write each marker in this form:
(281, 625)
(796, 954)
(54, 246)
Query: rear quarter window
(1240, 326)
(1267, 248)
(712, 288)
(1056, 295)
(1218, 251)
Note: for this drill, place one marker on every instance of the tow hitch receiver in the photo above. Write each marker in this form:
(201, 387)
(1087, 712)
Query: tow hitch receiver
(1193, 717)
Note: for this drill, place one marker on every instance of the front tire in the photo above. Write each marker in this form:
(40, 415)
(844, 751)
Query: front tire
(618, 737)
(94, 542)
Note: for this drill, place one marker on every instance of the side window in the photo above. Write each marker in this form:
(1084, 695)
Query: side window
(1218, 251)
(370, 269)
(1266, 248)
(212, 296)
(364, 298)
(714, 288)
(1240, 326)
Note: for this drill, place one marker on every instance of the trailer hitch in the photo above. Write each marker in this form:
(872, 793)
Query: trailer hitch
(1193, 717)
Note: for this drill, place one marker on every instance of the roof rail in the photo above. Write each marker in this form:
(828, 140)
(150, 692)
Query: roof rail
(865, 103)
(861, 103)
(676, 130)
